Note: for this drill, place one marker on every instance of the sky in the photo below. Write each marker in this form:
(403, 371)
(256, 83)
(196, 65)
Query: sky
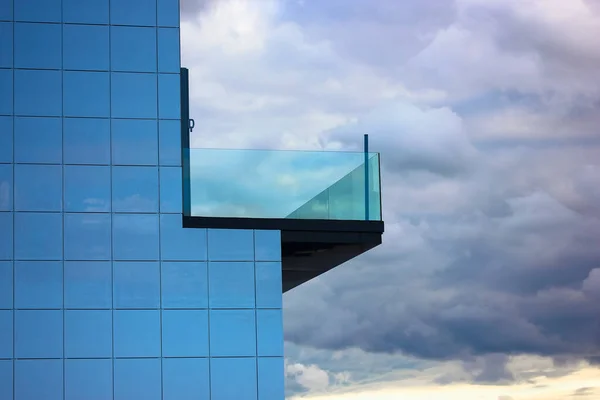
(487, 284)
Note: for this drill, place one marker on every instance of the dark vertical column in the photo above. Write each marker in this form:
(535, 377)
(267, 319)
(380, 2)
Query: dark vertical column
(185, 140)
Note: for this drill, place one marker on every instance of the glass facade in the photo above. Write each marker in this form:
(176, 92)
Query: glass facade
(103, 293)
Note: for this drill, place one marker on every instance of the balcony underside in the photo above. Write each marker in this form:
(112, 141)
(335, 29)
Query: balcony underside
(309, 247)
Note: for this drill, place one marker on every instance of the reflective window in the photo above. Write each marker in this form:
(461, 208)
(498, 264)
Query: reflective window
(88, 284)
(85, 47)
(137, 379)
(269, 324)
(169, 96)
(87, 237)
(6, 285)
(6, 44)
(88, 333)
(170, 190)
(6, 231)
(268, 285)
(133, 49)
(38, 187)
(168, 50)
(38, 379)
(133, 12)
(87, 188)
(271, 373)
(6, 10)
(185, 333)
(85, 12)
(88, 379)
(6, 334)
(135, 189)
(231, 284)
(137, 334)
(38, 46)
(133, 95)
(86, 141)
(38, 93)
(38, 284)
(135, 237)
(6, 139)
(29, 343)
(184, 285)
(230, 245)
(232, 333)
(168, 13)
(6, 187)
(267, 245)
(86, 94)
(38, 140)
(178, 243)
(244, 371)
(38, 236)
(185, 379)
(6, 95)
(38, 10)
(169, 133)
(134, 142)
(6, 377)
(136, 284)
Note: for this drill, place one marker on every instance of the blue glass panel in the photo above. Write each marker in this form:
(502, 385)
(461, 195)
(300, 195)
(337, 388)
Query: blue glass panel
(170, 190)
(136, 284)
(6, 10)
(86, 94)
(6, 95)
(6, 375)
(134, 142)
(88, 379)
(38, 236)
(135, 237)
(268, 285)
(244, 371)
(38, 379)
(230, 245)
(231, 284)
(170, 142)
(38, 46)
(6, 44)
(232, 333)
(38, 284)
(267, 245)
(88, 284)
(88, 333)
(38, 140)
(38, 187)
(168, 96)
(86, 141)
(137, 333)
(135, 189)
(271, 383)
(168, 13)
(134, 95)
(6, 187)
(6, 285)
(85, 47)
(185, 333)
(184, 285)
(87, 188)
(6, 333)
(30, 343)
(133, 49)
(6, 232)
(38, 93)
(137, 379)
(85, 11)
(38, 10)
(6, 139)
(133, 12)
(269, 324)
(178, 243)
(87, 237)
(168, 50)
(185, 379)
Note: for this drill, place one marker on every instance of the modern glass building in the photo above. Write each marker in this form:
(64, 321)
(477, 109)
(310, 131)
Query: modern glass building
(131, 265)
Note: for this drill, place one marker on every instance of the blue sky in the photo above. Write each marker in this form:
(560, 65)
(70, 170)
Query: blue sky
(486, 114)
